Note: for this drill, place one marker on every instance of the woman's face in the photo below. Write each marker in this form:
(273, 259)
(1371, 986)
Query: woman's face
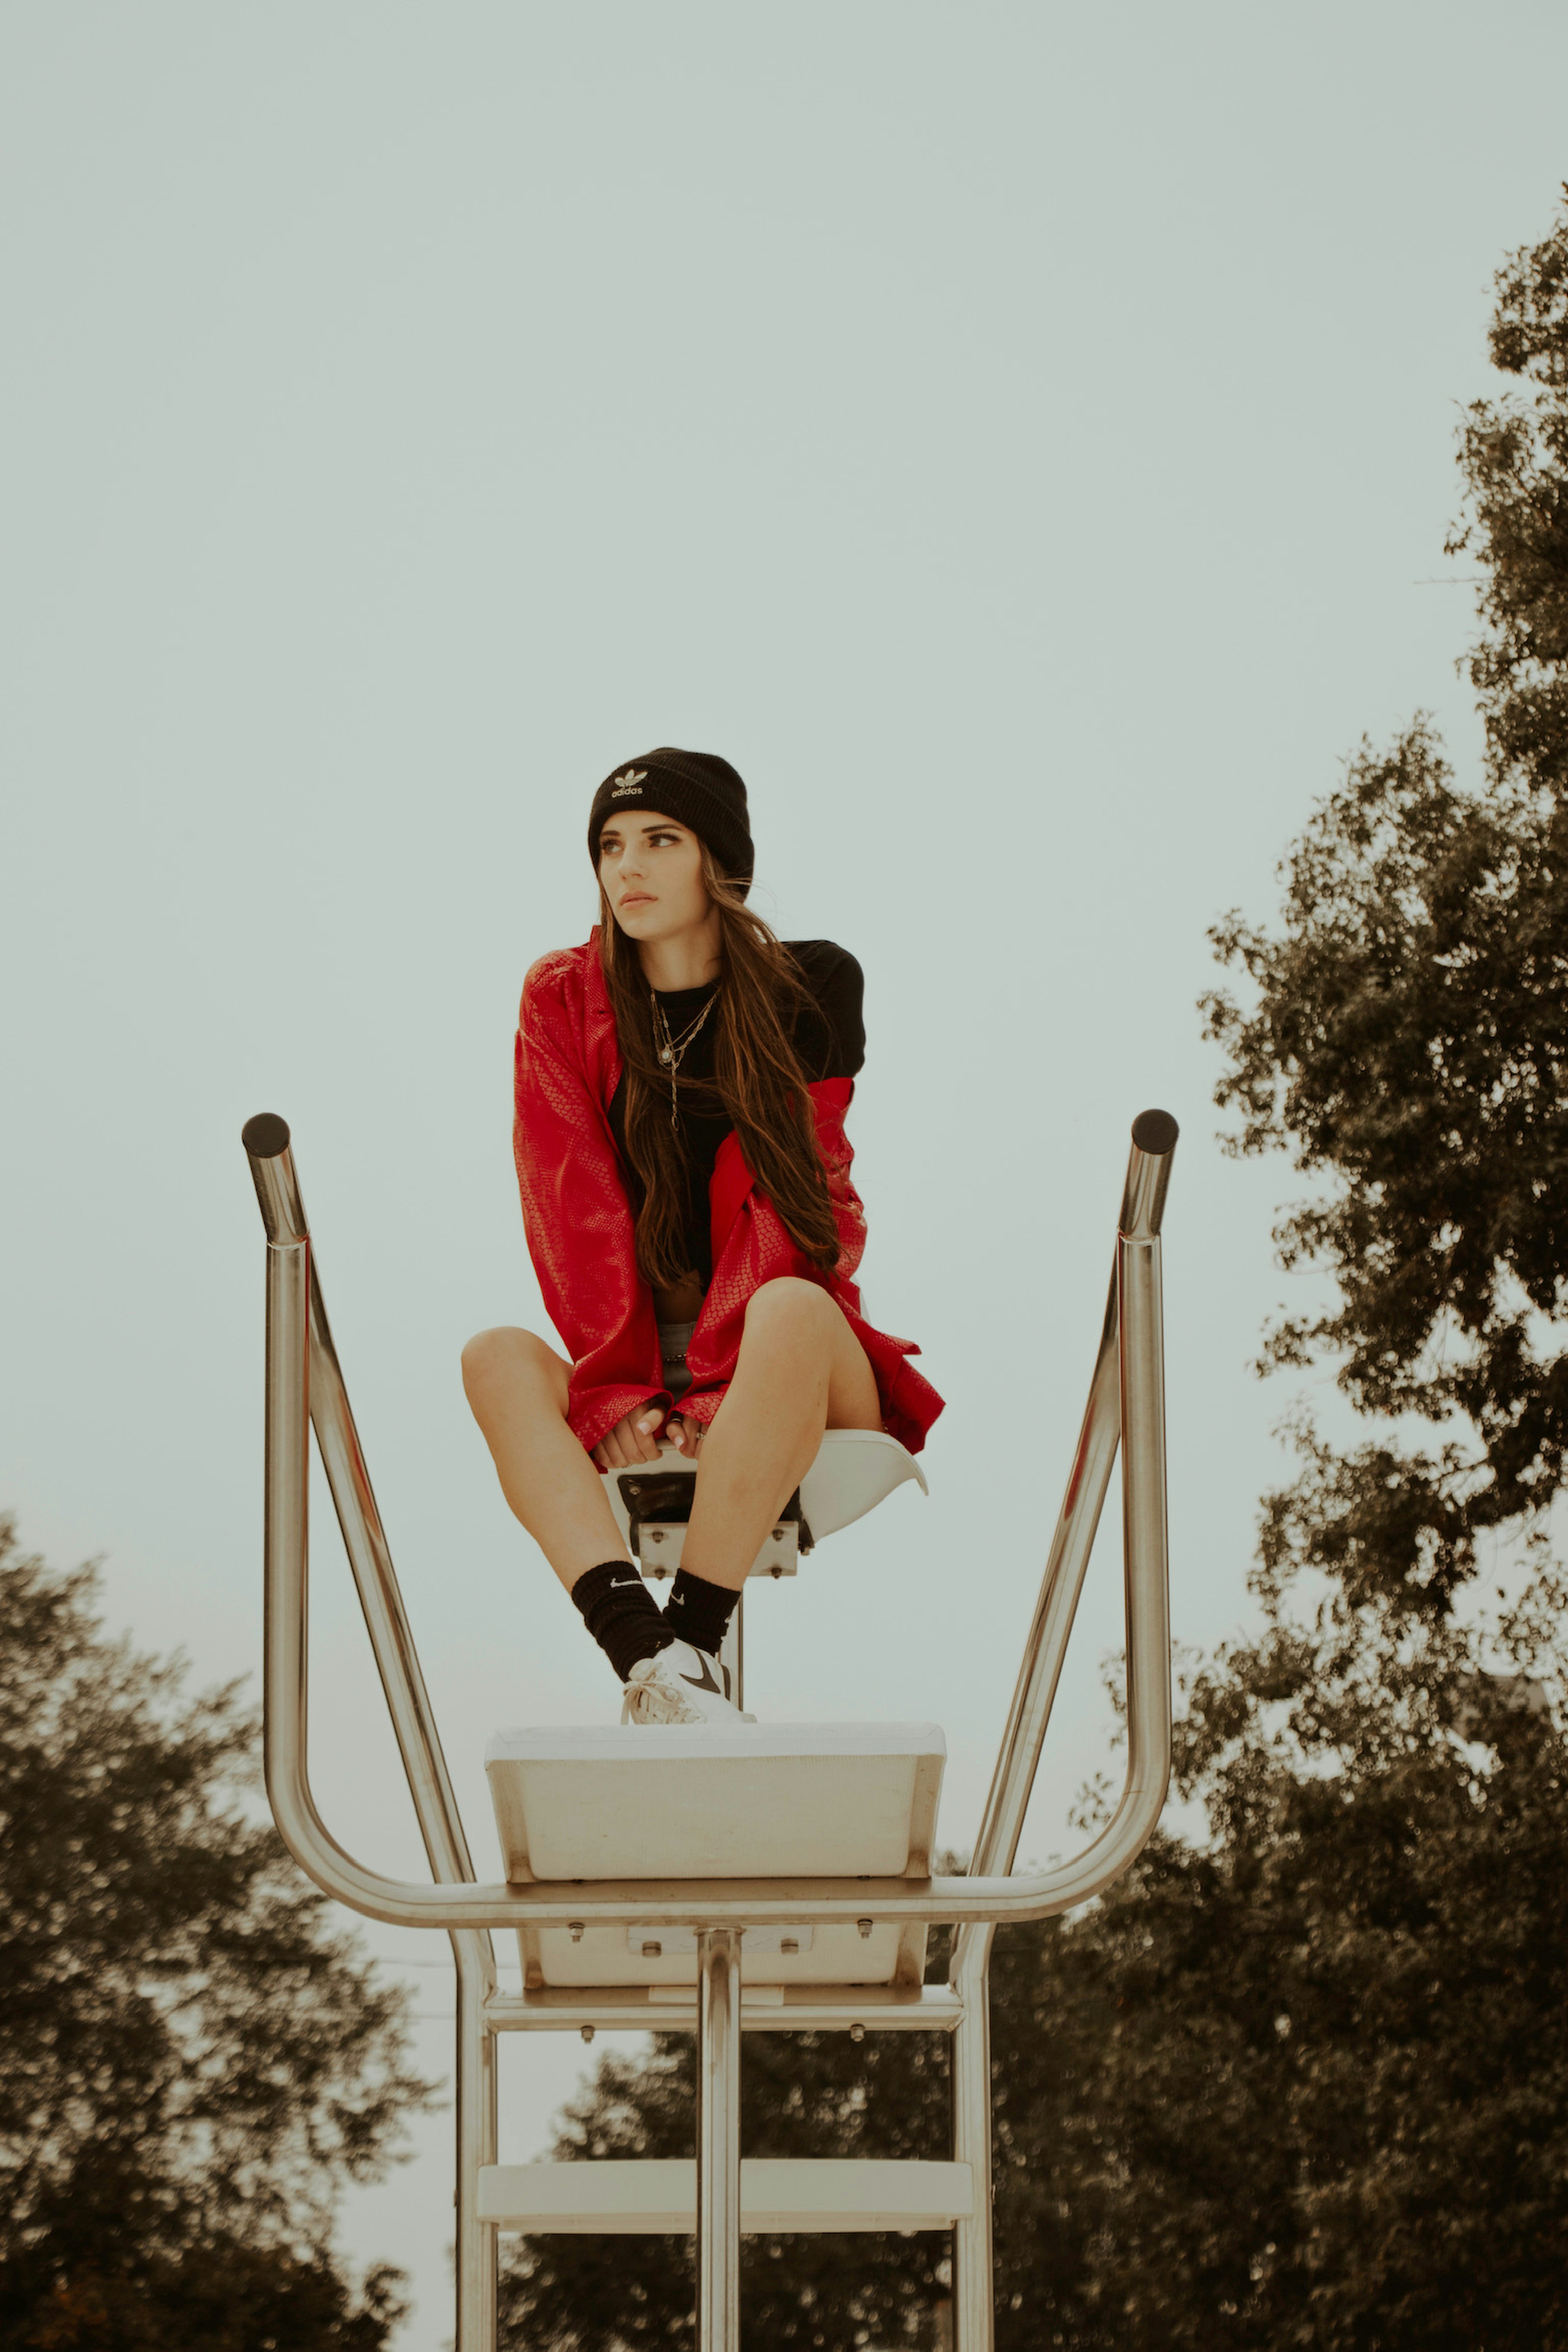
(651, 869)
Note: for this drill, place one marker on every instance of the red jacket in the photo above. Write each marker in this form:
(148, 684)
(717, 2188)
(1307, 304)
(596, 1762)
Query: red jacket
(581, 1232)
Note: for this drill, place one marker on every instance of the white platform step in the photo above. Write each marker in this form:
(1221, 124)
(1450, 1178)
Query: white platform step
(707, 1800)
(627, 2198)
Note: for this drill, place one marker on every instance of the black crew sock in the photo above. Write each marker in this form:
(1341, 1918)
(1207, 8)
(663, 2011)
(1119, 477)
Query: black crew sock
(622, 1615)
(699, 1612)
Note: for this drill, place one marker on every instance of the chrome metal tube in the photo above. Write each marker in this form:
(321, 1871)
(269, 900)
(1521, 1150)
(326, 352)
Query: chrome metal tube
(979, 1898)
(478, 2143)
(718, 2142)
(288, 1496)
(317, 1387)
(699, 1903)
(974, 2295)
(732, 1649)
(1125, 1394)
(1023, 1739)
(1034, 1696)
(1145, 1536)
(364, 1537)
(1155, 1134)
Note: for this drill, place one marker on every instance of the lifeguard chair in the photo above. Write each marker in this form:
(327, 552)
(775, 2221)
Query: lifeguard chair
(642, 1862)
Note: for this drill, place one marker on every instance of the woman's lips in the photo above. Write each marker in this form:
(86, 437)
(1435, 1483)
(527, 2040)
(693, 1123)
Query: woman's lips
(638, 898)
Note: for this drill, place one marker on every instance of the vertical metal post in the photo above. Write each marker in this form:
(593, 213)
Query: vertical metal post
(304, 1386)
(718, 2140)
(476, 2146)
(1126, 1408)
(974, 2296)
(731, 1651)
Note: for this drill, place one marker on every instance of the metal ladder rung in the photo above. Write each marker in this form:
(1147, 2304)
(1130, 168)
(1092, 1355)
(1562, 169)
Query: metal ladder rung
(639, 2198)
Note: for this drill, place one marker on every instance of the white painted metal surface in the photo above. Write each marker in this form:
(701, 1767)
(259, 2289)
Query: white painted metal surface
(716, 1800)
(635, 2199)
(764, 2008)
(838, 1955)
(704, 1800)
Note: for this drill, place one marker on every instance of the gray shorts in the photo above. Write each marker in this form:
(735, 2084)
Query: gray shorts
(675, 1339)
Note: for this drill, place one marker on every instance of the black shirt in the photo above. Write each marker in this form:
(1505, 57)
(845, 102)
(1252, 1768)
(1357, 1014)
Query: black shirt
(830, 1037)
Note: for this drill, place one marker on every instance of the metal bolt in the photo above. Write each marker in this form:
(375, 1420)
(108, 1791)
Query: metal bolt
(587, 2033)
(864, 1926)
(575, 1930)
(788, 1943)
(857, 2033)
(653, 1951)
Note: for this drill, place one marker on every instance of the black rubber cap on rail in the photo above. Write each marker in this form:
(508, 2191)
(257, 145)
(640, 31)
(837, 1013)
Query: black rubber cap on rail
(265, 1135)
(1156, 1131)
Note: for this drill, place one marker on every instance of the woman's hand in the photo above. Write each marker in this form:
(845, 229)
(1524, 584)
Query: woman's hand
(687, 1434)
(631, 1441)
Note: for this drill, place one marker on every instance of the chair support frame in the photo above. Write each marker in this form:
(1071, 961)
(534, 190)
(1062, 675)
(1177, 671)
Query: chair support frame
(305, 1388)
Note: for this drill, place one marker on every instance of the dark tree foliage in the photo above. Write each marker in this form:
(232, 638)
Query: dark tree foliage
(217, 2295)
(1409, 1043)
(1301, 2084)
(190, 2061)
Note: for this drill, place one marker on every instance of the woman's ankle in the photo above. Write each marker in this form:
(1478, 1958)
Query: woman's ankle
(622, 1615)
(698, 1611)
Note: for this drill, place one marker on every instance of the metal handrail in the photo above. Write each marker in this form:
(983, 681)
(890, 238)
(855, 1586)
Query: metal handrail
(986, 1896)
(326, 1398)
(1136, 1264)
(1126, 1390)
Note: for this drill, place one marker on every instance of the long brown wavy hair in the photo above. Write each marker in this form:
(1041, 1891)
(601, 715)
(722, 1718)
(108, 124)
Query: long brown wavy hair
(758, 1076)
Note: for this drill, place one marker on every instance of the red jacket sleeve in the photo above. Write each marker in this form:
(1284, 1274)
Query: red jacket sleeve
(576, 1214)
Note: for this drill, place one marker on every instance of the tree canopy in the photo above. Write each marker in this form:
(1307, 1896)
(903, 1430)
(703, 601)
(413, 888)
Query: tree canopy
(190, 2062)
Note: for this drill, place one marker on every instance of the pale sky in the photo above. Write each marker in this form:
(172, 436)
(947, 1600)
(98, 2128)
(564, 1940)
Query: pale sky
(1020, 438)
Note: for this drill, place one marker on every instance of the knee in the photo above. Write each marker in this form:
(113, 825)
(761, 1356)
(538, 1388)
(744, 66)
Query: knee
(790, 1309)
(502, 1355)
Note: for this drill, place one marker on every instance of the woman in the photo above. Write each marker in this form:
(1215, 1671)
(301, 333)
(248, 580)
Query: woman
(682, 1081)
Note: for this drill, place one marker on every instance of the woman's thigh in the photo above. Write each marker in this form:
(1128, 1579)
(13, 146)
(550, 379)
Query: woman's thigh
(853, 1398)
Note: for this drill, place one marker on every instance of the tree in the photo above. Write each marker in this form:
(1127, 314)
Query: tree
(1301, 2082)
(190, 2061)
(1409, 1044)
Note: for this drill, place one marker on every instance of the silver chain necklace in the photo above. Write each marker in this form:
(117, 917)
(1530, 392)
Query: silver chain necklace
(672, 1052)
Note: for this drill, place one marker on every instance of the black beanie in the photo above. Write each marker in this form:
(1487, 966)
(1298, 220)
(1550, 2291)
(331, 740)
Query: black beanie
(697, 789)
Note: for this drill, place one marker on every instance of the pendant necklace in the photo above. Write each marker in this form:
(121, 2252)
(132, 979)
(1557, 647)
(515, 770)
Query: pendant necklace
(672, 1052)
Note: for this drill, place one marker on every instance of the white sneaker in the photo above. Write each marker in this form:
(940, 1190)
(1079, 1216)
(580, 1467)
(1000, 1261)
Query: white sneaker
(680, 1684)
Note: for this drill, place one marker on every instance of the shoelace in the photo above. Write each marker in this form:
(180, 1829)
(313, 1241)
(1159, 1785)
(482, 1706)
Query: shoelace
(638, 1680)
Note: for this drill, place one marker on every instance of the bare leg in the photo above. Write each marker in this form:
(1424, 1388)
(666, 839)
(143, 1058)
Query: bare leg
(800, 1370)
(518, 1389)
